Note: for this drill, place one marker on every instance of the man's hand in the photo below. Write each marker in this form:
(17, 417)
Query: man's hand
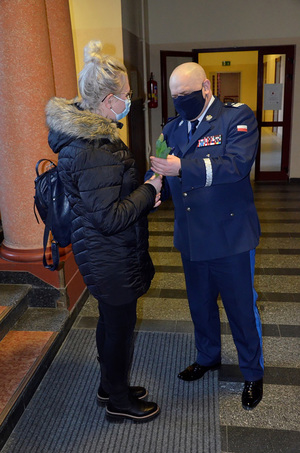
(166, 167)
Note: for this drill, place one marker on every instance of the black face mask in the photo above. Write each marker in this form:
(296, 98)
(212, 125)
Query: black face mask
(189, 106)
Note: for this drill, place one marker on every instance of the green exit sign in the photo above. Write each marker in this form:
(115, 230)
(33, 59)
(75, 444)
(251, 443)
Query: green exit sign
(225, 63)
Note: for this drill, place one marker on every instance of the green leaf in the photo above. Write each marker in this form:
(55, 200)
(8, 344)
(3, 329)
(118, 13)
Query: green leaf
(162, 150)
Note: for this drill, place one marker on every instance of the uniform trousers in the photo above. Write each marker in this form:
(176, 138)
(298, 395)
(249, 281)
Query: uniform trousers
(114, 338)
(232, 277)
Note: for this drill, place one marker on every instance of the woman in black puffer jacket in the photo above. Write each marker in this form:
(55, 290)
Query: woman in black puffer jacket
(109, 218)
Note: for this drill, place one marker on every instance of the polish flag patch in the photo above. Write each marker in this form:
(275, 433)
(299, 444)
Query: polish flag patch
(242, 128)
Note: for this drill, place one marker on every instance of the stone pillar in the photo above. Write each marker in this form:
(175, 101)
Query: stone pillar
(36, 62)
(62, 50)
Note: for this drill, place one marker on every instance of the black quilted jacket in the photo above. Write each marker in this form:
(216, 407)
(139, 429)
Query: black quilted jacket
(109, 208)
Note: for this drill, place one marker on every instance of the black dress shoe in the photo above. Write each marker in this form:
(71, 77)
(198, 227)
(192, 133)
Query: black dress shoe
(137, 392)
(138, 411)
(196, 371)
(252, 394)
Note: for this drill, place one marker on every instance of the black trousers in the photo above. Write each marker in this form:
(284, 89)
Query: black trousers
(114, 337)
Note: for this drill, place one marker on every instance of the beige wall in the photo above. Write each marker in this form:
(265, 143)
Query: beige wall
(100, 20)
(221, 24)
(174, 21)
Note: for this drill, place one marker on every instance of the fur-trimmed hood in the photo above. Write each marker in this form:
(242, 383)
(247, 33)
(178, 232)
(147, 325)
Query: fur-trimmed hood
(65, 119)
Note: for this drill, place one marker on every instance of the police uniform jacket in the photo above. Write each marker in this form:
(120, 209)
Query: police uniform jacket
(215, 215)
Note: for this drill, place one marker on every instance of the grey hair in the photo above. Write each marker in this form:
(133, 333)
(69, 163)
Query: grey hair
(101, 75)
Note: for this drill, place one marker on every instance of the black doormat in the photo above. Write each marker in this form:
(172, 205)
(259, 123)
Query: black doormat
(63, 415)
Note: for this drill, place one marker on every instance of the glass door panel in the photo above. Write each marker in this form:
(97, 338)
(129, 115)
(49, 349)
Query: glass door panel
(270, 149)
(273, 87)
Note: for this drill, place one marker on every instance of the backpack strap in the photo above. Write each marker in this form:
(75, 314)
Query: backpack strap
(39, 162)
(54, 244)
(54, 251)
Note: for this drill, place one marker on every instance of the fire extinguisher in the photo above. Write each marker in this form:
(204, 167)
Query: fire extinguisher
(152, 93)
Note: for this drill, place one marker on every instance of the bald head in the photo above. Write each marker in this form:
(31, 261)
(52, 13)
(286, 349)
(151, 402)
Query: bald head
(186, 78)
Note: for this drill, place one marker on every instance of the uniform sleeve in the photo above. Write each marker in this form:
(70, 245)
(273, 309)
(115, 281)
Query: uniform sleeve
(100, 185)
(241, 140)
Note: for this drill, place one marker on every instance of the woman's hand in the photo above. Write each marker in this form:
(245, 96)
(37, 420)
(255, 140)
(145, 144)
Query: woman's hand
(157, 200)
(156, 182)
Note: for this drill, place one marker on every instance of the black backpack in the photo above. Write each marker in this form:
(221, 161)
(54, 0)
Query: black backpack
(54, 209)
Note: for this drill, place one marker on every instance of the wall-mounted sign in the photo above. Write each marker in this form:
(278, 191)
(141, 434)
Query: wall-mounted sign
(273, 96)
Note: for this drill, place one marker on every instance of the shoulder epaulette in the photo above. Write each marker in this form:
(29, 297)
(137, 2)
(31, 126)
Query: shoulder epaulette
(233, 104)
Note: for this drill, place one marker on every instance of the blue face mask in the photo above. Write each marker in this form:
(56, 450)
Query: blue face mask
(189, 106)
(125, 112)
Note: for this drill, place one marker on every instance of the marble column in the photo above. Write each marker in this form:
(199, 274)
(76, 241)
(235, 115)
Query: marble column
(37, 62)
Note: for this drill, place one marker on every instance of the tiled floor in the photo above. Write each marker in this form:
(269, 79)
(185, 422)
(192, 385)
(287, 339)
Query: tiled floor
(274, 426)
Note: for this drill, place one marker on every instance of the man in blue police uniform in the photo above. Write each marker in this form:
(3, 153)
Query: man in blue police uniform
(216, 226)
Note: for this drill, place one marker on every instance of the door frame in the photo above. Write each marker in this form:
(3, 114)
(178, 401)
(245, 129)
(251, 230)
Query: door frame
(289, 50)
(164, 54)
(286, 124)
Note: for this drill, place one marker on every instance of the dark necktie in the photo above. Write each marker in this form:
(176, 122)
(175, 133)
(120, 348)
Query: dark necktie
(194, 125)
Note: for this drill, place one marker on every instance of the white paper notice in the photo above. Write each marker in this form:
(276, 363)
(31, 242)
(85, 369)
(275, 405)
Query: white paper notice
(273, 96)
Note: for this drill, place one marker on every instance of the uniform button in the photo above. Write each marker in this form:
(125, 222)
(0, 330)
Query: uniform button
(231, 214)
(207, 155)
(185, 194)
(188, 209)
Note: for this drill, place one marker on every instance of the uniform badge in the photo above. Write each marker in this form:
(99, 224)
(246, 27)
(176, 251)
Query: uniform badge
(210, 141)
(208, 117)
(242, 128)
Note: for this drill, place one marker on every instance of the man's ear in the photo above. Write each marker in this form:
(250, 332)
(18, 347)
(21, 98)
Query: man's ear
(206, 85)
